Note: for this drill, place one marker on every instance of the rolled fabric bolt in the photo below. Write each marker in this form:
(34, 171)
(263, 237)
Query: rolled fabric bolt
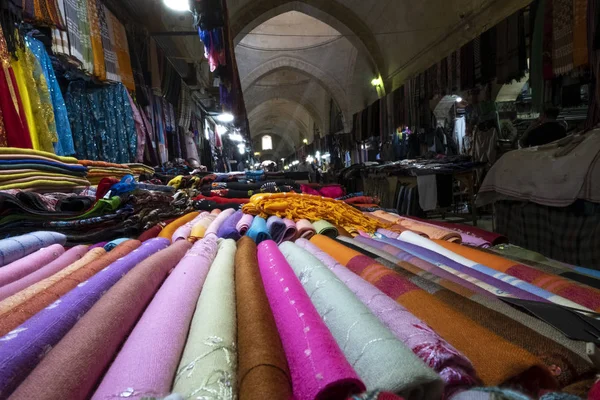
(149, 371)
(66, 259)
(26, 345)
(318, 367)
(258, 230)
(199, 229)
(306, 230)
(276, 228)
(380, 359)
(244, 224)
(209, 360)
(95, 246)
(325, 228)
(184, 231)
(64, 373)
(263, 369)
(228, 230)
(17, 247)
(170, 229)
(290, 230)
(111, 245)
(28, 264)
(213, 228)
(216, 211)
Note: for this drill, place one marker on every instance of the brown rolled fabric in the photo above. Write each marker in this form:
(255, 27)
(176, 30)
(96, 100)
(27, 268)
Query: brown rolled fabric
(53, 291)
(154, 231)
(73, 367)
(263, 371)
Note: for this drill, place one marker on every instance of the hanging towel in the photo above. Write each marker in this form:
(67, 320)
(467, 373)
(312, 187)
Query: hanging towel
(209, 361)
(244, 224)
(28, 264)
(323, 227)
(263, 371)
(318, 368)
(276, 228)
(66, 259)
(64, 373)
(306, 230)
(184, 231)
(143, 371)
(32, 339)
(229, 228)
(213, 228)
(258, 230)
(17, 247)
(199, 229)
(455, 369)
(380, 359)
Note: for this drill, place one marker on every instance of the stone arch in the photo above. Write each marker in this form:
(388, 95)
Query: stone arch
(302, 104)
(332, 13)
(286, 122)
(281, 143)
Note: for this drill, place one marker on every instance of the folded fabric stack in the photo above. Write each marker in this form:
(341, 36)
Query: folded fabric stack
(98, 170)
(30, 170)
(140, 169)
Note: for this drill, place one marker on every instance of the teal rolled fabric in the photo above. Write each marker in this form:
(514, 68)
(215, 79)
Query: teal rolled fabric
(259, 232)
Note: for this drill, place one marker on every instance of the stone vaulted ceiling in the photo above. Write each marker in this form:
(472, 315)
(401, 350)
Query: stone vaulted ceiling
(295, 57)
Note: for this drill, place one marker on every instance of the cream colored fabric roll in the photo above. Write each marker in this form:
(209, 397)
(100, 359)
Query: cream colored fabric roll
(380, 359)
(209, 363)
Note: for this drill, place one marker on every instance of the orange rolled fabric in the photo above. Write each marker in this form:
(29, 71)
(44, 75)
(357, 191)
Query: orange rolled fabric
(496, 360)
(53, 289)
(170, 229)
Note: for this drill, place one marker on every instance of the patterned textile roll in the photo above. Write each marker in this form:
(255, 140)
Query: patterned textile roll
(28, 264)
(306, 230)
(209, 361)
(318, 368)
(380, 359)
(276, 228)
(455, 369)
(213, 228)
(64, 372)
(495, 359)
(325, 228)
(244, 224)
(29, 342)
(199, 229)
(147, 371)
(35, 300)
(229, 228)
(18, 247)
(263, 371)
(66, 259)
(258, 230)
(184, 231)
(170, 229)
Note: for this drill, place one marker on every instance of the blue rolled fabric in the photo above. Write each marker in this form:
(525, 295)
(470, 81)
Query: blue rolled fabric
(15, 248)
(258, 230)
(111, 245)
(229, 228)
(277, 228)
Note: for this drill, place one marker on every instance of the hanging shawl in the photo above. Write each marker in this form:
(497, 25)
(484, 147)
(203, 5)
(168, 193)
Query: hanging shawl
(154, 68)
(72, 17)
(477, 59)
(60, 38)
(562, 55)
(43, 12)
(96, 40)
(580, 31)
(121, 48)
(511, 57)
(110, 57)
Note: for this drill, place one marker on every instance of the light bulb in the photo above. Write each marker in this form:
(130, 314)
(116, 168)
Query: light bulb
(178, 5)
(225, 117)
(459, 99)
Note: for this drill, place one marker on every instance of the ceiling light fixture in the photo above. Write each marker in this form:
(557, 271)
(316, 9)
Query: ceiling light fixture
(459, 99)
(305, 141)
(225, 117)
(376, 82)
(178, 5)
(242, 148)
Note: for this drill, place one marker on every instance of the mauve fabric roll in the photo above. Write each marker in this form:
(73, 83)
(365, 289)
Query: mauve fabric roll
(244, 224)
(380, 359)
(318, 367)
(141, 370)
(213, 228)
(258, 230)
(199, 229)
(306, 230)
(58, 288)
(216, 211)
(73, 367)
(28, 264)
(170, 229)
(276, 228)
(17, 247)
(208, 365)
(184, 231)
(454, 368)
(25, 346)
(228, 230)
(290, 230)
(263, 371)
(95, 246)
(66, 259)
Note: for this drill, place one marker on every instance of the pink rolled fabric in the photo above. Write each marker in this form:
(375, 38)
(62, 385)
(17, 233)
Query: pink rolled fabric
(318, 367)
(214, 226)
(18, 269)
(290, 230)
(454, 368)
(388, 233)
(305, 229)
(244, 224)
(184, 231)
(143, 370)
(66, 259)
(216, 211)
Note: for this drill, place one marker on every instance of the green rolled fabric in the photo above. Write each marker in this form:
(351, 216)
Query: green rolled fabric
(326, 229)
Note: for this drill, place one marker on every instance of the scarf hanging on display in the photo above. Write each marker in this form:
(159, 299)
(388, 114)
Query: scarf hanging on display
(43, 12)
(477, 59)
(121, 48)
(96, 40)
(562, 21)
(511, 58)
(548, 40)
(580, 33)
(106, 31)
(60, 37)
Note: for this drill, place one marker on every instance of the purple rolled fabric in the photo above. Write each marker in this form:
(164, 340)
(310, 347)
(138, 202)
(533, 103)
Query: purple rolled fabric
(184, 231)
(213, 228)
(23, 348)
(228, 230)
(454, 368)
(28, 264)
(95, 246)
(244, 224)
(149, 370)
(66, 259)
(426, 258)
(388, 233)
(15, 248)
(290, 230)
(276, 228)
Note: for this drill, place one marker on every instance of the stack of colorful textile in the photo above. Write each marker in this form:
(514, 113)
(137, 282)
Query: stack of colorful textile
(40, 171)
(98, 170)
(140, 169)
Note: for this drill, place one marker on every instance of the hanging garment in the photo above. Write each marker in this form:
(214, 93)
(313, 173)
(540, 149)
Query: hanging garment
(60, 37)
(96, 40)
(43, 12)
(110, 57)
(562, 54)
(460, 127)
(121, 49)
